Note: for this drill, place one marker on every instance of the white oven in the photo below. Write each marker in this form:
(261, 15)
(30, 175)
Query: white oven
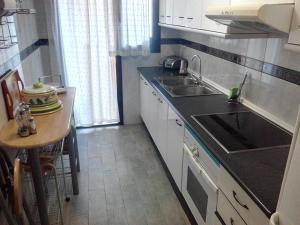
(200, 171)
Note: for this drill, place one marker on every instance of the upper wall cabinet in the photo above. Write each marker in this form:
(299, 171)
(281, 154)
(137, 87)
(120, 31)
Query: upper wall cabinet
(162, 11)
(179, 11)
(190, 15)
(193, 13)
(169, 11)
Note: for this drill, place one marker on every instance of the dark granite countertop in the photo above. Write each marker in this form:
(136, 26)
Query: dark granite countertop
(260, 173)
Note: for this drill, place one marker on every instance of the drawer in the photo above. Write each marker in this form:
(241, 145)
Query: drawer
(227, 212)
(241, 201)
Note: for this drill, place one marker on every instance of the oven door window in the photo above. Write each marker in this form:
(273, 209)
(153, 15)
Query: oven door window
(197, 193)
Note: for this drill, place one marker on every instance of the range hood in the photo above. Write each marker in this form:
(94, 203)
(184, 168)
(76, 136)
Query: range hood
(274, 18)
(10, 7)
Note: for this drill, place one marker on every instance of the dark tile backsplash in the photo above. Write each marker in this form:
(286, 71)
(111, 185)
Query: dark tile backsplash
(17, 59)
(260, 66)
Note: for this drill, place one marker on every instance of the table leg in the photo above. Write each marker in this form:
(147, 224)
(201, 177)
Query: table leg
(34, 161)
(74, 134)
(72, 156)
(76, 150)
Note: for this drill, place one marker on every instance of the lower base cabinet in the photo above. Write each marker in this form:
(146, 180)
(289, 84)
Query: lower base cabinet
(162, 126)
(174, 155)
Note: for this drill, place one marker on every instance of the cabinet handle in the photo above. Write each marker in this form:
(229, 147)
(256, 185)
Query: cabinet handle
(162, 16)
(153, 93)
(190, 18)
(238, 201)
(142, 78)
(145, 83)
(231, 221)
(178, 123)
(160, 100)
(180, 17)
(169, 16)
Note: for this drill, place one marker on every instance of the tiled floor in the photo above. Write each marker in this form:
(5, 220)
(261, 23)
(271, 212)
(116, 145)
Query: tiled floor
(122, 181)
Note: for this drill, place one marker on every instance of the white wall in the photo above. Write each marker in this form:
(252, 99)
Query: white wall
(131, 82)
(278, 98)
(29, 28)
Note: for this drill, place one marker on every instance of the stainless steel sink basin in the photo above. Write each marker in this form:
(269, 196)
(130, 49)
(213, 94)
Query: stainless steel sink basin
(191, 91)
(184, 86)
(177, 81)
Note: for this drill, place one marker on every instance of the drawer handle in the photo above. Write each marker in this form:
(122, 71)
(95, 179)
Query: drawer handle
(180, 17)
(153, 93)
(145, 83)
(190, 18)
(168, 16)
(231, 221)
(160, 100)
(178, 123)
(238, 201)
(142, 78)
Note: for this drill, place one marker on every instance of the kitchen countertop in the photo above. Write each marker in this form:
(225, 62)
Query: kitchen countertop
(260, 173)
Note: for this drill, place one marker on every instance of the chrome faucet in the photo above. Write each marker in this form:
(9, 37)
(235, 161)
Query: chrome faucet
(199, 79)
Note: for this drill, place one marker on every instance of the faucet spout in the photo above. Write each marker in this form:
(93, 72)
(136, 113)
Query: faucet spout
(200, 68)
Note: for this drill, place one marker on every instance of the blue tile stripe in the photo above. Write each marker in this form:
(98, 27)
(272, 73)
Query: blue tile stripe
(282, 73)
(17, 59)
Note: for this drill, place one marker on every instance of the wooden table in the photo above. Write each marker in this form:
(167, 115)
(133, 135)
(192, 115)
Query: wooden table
(51, 129)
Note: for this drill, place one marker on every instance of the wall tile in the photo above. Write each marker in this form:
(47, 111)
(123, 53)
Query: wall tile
(280, 98)
(238, 46)
(257, 48)
(276, 54)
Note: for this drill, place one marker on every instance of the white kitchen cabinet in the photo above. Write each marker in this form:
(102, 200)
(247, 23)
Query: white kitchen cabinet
(179, 12)
(294, 36)
(154, 111)
(175, 146)
(143, 97)
(169, 11)
(162, 126)
(152, 108)
(162, 11)
(193, 13)
(187, 13)
(211, 25)
(288, 207)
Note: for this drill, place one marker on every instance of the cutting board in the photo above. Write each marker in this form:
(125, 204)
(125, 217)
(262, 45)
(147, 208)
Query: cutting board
(11, 86)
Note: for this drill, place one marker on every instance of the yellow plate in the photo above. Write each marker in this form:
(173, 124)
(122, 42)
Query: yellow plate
(49, 107)
(45, 105)
(46, 113)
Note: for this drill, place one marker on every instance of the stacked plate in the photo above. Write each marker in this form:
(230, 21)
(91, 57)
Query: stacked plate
(42, 100)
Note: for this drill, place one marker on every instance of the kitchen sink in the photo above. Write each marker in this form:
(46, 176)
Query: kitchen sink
(177, 81)
(191, 91)
(184, 86)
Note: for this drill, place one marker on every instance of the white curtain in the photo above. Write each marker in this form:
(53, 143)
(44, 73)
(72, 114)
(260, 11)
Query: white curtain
(88, 34)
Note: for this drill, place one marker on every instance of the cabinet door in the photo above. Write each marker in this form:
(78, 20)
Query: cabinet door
(211, 25)
(193, 14)
(169, 11)
(175, 146)
(179, 12)
(162, 126)
(143, 97)
(162, 11)
(153, 109)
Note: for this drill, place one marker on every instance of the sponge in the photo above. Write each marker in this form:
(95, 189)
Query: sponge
(233, 93)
